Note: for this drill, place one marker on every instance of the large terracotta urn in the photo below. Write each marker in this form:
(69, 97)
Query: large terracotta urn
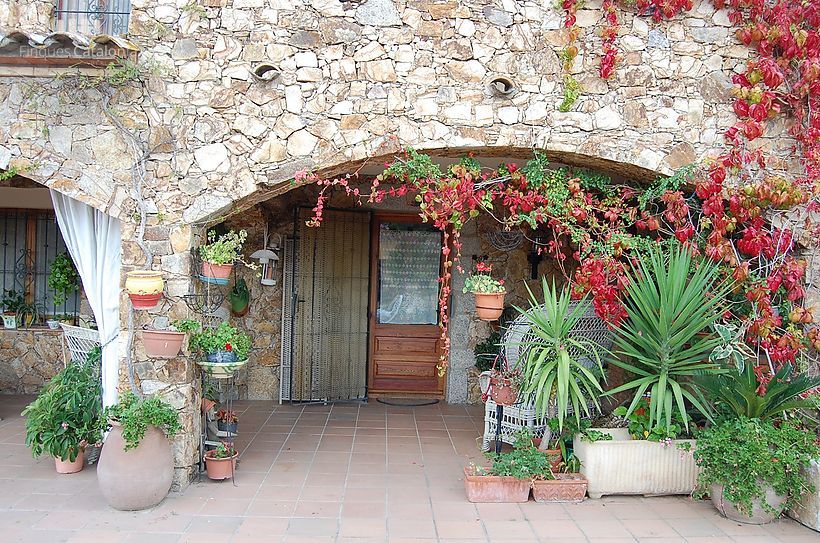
(137, 478)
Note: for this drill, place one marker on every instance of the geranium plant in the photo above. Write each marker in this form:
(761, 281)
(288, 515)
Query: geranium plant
(228, 417)
(222, 338)
(482, 282)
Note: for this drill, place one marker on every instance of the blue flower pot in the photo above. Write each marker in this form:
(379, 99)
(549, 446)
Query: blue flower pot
(221, 357)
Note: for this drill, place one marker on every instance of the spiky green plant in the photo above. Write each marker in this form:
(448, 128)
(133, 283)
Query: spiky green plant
(670, 301)
(739, 393)
(550, 371)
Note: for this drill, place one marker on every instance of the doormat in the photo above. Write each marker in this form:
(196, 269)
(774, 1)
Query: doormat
(406, 402)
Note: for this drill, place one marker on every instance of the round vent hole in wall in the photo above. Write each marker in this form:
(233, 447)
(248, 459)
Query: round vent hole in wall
(502, 87)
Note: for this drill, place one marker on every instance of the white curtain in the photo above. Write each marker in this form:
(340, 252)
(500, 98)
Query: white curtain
(93, 240)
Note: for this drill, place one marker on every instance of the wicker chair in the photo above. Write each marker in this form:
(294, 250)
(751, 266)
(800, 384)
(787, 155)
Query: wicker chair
(513, 347)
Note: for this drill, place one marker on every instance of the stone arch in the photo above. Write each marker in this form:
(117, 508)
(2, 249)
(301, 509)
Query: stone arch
(280, 183)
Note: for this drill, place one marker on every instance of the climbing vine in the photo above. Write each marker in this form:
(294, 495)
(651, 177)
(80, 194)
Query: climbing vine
(735, 210)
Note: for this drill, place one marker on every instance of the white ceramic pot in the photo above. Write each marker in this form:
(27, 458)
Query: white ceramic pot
(630, 466)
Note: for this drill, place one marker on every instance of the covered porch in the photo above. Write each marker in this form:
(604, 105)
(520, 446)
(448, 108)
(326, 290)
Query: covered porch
(342, 473)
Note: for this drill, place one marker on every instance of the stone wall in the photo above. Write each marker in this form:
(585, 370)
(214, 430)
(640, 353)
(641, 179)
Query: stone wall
(349, 77)
(28, 359)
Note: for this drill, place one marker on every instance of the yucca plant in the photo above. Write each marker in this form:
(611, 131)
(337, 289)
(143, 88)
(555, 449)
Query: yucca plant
(669, 302)
(739, 392)
(551, 374)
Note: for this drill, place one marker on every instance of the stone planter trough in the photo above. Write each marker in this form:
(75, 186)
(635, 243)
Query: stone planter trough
(627, 466)
(807, 510)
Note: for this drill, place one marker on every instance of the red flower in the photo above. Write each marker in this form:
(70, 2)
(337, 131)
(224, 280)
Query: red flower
(228, 347)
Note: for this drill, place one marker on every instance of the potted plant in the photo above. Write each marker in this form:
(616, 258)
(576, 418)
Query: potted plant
(71, 320)
(753, 461)
(63, 278)
(220, 463)
(510, 477)
(65, 417)
(219, 255)
(28, 314)
(551, 443)
(489, 293)
(144, 288)
(227, 421)
(503, 385)
(53, 324)
(225, 349)
(645, 458)
(560, 369)
(564, 483)
(168, 343)
(753, 469)
(12, 300)
(136, 466)
(240, 298)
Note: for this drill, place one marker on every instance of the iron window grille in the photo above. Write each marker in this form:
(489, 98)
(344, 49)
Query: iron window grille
(93, 17)
(29, 242)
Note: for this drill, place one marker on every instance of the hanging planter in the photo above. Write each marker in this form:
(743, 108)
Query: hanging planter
(223, 349)
(489, 293)
(240, 298)
(220, 254)
(489, 307)
(162, 343)
(144, 287)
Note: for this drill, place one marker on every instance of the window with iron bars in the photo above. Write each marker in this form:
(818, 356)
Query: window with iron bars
(93, 17)
(29, 242)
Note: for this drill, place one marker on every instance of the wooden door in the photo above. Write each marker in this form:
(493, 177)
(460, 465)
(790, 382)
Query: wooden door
(404, 331)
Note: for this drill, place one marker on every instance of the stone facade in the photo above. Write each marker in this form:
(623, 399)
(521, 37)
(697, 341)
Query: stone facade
(28, 359)
(211, 133)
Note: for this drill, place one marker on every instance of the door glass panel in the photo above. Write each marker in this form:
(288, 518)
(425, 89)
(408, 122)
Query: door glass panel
(409, 263)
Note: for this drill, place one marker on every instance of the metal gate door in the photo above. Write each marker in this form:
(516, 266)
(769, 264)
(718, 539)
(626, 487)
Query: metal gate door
(325, 307)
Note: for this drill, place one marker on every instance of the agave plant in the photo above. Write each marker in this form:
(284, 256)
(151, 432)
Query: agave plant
(669, 302)
(740, 392)
(551, 373)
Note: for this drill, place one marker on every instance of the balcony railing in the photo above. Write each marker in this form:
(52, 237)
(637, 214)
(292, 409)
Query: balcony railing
(93, 17)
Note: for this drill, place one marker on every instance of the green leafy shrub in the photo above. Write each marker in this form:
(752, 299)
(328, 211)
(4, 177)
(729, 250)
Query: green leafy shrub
(66, 414)
(222, 338)
(486, 351)
(525, 461)
(63, 278)
(640, 426)
(225, 249)
(186, 326)
(136, 415)
(747, 455)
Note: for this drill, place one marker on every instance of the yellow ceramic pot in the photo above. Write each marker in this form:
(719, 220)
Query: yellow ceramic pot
(142, 282)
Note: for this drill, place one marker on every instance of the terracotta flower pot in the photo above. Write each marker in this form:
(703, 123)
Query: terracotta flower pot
(758, 514)
(567, 487)
(554, 455)
(67, 466)
(137, 478)
(162, 343)
(207, 405)
(489, 307)
(216, 273)
(495, 489)
(220, 468)
(503, 391)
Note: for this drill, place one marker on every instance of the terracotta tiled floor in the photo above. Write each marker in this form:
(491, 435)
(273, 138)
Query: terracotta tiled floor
(346, 473)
